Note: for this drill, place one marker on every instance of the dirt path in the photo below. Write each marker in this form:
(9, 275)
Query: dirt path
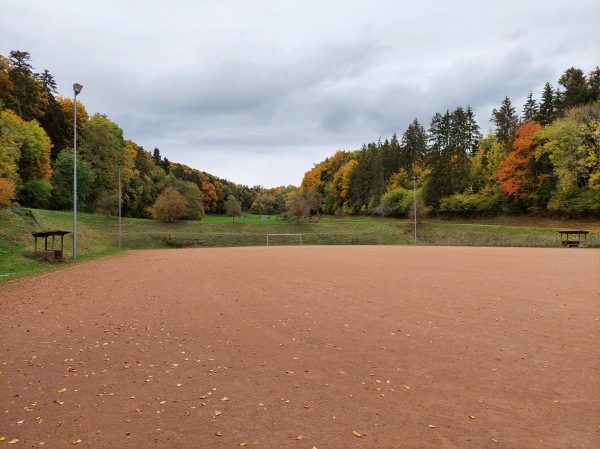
(304, 347)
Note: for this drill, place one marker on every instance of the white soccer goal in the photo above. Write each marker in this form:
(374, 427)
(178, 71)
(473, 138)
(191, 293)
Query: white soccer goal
(284, 239)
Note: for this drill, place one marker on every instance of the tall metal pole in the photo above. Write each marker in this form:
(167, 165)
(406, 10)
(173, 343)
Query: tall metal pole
(74, 174)
(119, 207)
(76, 89)
(415, 204)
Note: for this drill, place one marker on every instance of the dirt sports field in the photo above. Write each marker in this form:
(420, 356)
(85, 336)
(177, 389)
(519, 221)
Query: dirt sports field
(304, 347)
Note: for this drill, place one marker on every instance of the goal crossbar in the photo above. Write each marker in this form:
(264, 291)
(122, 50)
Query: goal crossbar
(270, 236)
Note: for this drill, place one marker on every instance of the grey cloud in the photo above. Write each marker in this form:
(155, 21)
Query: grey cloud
(267, 84)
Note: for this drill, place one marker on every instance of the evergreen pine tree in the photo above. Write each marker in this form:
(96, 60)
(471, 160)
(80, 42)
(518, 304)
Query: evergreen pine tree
(530, 109)
(546, 112)
(506, 121)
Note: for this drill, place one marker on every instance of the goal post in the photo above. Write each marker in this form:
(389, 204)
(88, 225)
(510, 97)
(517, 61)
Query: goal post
(284, 239)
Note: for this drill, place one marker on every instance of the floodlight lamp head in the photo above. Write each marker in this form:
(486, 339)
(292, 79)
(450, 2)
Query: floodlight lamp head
(77, 88)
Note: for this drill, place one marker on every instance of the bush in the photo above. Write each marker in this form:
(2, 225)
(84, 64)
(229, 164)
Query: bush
(583, 202)
(485, 202)
(35, 193)
(170, 240)
(399, 201)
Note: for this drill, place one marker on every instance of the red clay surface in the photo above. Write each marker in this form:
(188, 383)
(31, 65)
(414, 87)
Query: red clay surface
(303, 347)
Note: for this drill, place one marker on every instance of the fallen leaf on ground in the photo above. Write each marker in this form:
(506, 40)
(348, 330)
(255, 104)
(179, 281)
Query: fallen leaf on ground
(356, 434)
(62, 390)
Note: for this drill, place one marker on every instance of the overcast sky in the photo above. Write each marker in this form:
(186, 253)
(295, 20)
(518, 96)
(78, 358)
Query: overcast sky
(257, 92)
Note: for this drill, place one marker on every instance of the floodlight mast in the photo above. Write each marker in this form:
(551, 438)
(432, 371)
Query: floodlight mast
(76, 90)
(415, 204)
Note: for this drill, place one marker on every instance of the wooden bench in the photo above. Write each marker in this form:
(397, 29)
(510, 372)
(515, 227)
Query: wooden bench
(573, 238)
(51, 254)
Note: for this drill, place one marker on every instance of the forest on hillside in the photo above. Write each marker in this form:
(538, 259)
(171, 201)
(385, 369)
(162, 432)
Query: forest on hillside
(545, 160)
(36, 159)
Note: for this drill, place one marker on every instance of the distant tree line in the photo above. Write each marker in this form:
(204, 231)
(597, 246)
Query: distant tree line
(36, 159)
(545, 161)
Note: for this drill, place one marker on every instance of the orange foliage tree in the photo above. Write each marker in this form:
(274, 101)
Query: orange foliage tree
(517, 174)
(7, 192)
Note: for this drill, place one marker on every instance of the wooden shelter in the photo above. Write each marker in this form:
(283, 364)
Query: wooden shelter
(574, 238)
(51, 254)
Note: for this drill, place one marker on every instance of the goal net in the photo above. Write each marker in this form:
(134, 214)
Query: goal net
(284, 239)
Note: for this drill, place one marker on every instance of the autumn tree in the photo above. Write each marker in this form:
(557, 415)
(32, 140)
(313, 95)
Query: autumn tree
(573, 150)
(144, 185)
(191, 193)
(314, 178)
(297, 206)
(233, 208)
(7, 192)
(341, 185)
(66, 106)
(25, 158)
(170, 205)
(272, 201)
(517, 175)
(314, 200)
(103, 147)
(6, 85)
(10, 146)
(35, 152)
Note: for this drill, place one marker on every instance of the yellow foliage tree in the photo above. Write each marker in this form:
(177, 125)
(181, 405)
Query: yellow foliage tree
(170, 205)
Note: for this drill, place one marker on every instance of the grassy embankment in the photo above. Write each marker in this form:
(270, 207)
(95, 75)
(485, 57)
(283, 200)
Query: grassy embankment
(98, 235)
